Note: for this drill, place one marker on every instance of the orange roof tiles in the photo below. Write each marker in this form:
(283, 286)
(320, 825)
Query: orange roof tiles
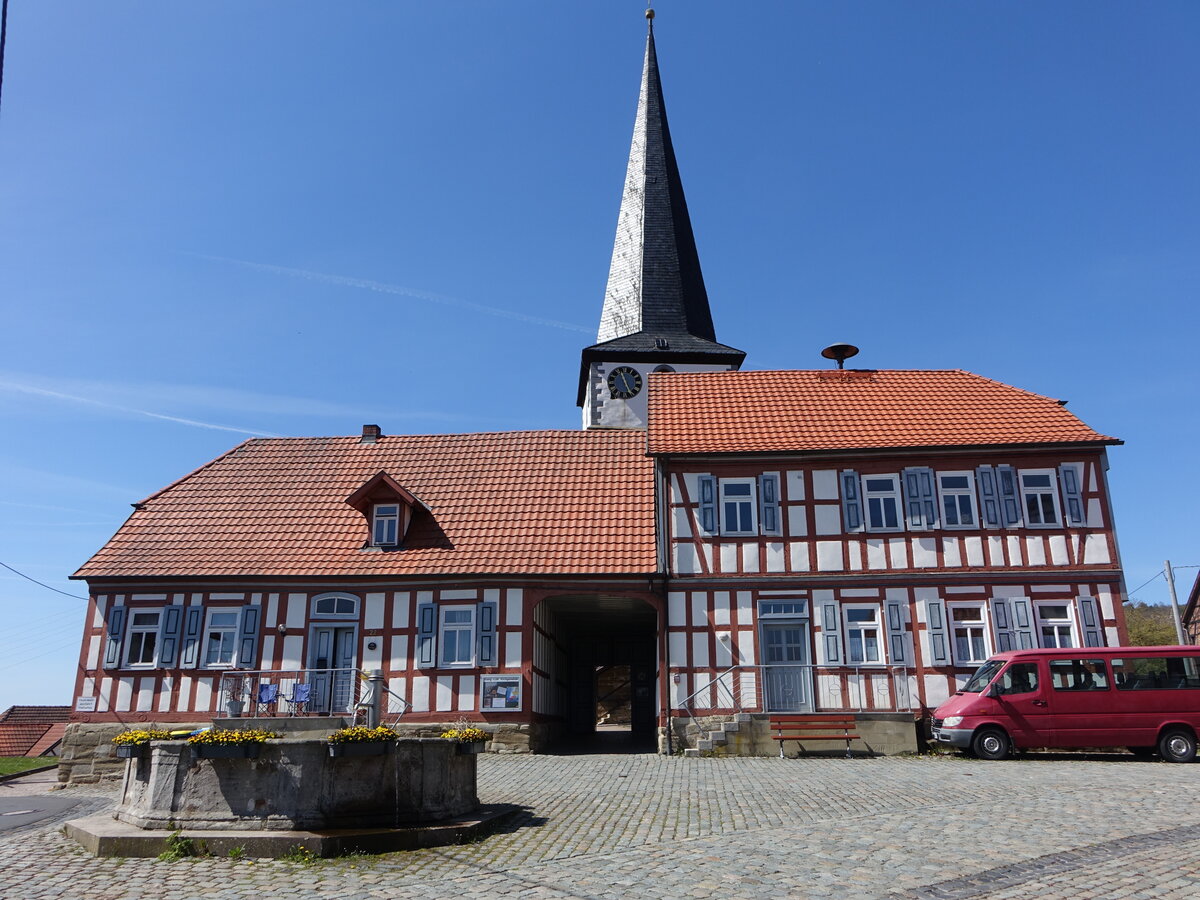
(535, 502)
(828, 409)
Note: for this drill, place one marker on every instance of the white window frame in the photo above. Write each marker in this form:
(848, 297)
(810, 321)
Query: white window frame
(459, 628)
(877, 625)
(352, 613)
(1057, 623)
(980, 625)
(945, 493)
(750, 501)
(893, 495)
(135, 629)
(1051, 490)
(233, 632)
(383, 514)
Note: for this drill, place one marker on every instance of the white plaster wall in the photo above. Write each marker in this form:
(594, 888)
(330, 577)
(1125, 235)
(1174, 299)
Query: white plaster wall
(825, 484)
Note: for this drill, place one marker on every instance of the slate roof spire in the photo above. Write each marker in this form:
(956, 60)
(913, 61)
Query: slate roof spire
(655, 301)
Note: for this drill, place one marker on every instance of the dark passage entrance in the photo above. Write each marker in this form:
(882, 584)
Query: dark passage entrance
(608, 672)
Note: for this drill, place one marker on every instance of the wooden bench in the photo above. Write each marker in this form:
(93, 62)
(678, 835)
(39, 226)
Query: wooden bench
(815, 727)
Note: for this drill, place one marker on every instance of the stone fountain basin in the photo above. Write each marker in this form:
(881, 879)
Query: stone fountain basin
(296, 785)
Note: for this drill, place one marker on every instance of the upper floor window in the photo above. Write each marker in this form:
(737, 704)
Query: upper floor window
(457, 635)
(335, 606)
(1039, 494)
(957, 490)
(385, 524)
(220, 637)
(863, 644)
(142, 643)
(881, 496)
(737, 505)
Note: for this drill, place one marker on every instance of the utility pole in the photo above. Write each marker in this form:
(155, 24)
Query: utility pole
(1170, 573)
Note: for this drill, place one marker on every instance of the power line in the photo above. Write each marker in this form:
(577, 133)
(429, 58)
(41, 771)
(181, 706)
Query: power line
(3, 35)
(39, 584)
(1138, 588)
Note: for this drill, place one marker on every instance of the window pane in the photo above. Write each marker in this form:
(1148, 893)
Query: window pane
(871, 639)
(965, 514)
(856, 646)
(880, 484)
(1037, 480)
(145, 618)
(736, 490)
(949, 482)
(224, 620)
(967, 614)
(458, 616)
(889, 512)
(950, 510)
(1048, 514)
(860, 615)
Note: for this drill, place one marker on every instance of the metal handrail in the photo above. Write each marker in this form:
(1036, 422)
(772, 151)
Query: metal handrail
(333, 691)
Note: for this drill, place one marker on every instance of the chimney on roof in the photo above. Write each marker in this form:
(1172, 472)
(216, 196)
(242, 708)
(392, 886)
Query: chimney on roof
(371, 433)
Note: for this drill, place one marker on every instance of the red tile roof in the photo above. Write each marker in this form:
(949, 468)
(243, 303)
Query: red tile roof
(38, 715)
(18, 740)
(49, 741)
(828, 409)
(537, 502)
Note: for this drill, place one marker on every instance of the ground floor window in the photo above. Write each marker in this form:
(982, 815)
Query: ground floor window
(969, 634)
(1054, 625)
(457, 635)
(863, 644)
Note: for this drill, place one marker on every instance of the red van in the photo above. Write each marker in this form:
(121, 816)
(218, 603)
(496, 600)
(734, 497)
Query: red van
(1143, 698)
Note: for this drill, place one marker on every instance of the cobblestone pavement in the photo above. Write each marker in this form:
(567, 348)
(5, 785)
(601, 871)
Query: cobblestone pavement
(649, 826)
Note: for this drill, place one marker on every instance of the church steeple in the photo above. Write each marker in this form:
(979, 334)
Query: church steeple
(656, 310)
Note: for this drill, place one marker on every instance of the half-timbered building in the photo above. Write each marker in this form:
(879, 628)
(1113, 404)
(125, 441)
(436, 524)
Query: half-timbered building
(713, 546)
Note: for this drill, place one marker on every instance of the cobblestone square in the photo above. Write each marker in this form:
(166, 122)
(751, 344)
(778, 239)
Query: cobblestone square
(651, 826)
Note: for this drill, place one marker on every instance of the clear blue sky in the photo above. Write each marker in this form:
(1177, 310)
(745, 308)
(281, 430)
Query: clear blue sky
(245, 217)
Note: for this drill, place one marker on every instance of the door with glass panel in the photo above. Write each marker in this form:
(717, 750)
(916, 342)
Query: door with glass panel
(786, 669)
(333, 668)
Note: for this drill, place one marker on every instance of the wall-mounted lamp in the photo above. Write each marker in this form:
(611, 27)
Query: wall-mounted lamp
(282, 629)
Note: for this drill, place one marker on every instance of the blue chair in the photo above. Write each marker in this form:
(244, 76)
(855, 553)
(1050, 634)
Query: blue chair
(268, 698)
(301, 695)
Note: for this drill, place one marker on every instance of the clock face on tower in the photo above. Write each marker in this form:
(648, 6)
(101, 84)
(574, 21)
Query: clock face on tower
(624, 382)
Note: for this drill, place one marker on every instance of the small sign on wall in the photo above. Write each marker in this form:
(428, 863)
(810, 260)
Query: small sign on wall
(500, 693)
(85, 704)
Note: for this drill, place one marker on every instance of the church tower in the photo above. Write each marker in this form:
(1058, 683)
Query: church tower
(656, 316)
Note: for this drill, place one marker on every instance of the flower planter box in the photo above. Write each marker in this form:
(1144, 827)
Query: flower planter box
(359, 748)
(472, 748)
(227, 751)
(132, 751)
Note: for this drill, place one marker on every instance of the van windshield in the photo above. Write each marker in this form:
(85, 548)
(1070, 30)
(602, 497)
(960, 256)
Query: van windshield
(983, 675)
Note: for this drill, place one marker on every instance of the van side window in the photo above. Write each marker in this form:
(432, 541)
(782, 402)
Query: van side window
(1078, 675)
(1159, 673)
(1019, 678)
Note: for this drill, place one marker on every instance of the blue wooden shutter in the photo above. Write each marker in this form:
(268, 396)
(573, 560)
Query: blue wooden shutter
(116, 633)
(989, 505)
(1022, 619)
(426, 635)
(193, 621)
(248, 643)
(1002, 624)
(1068, 477)
(1006, 488)
(897, 645)
(935, 630)
(919, 500)
(768, 493)
(169, 638)
(1089, 622)
(831, 632)
(708, 504)
(487, 633)
(852, 517)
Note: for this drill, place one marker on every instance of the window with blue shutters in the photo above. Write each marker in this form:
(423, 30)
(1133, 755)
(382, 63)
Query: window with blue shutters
(768, 492)
(1070, 478)
(737, 503)
(707, 486)
(115, 634)
(1039, 495)
(852, 515)
(957, 493)
(881, 503)
(1006, 489)
(142, 641)
(989, 499)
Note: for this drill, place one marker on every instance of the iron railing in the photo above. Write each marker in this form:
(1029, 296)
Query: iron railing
(289, 692)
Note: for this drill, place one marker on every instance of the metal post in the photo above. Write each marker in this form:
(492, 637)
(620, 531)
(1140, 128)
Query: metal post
(375, 701)
(1174, 603)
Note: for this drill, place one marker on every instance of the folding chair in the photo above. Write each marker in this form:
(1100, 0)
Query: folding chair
(301, 695)
(268, 699)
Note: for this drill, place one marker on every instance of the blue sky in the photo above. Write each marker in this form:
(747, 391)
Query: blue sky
(247, 217)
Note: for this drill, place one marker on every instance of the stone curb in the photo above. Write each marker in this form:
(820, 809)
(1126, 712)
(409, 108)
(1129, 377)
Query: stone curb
(102, 835)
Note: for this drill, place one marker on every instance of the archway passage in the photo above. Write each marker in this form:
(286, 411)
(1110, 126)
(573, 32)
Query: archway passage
(606, 652)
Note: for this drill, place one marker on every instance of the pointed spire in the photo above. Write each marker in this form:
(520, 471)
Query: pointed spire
(654, 284)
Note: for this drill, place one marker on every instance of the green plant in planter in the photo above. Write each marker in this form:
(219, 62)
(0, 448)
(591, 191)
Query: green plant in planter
(135, 736)
(466, 734)
(361, 734)
(225, 737)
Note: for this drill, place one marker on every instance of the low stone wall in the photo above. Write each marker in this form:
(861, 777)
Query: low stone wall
(87, 754)
(882, 734)
(296, 785)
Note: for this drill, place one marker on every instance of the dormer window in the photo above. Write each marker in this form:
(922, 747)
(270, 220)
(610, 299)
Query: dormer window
(385, 524)
(388, 508)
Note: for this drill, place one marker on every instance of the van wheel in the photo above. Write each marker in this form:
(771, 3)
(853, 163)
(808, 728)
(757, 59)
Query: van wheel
(991, 743)
(1177, 745)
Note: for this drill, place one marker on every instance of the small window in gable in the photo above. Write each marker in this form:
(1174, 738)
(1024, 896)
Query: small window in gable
(335, 606)
(385, 524)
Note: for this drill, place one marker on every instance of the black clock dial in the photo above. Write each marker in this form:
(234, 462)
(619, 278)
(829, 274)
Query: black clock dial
(624, 382)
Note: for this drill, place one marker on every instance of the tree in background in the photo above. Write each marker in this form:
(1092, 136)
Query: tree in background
(1150, 625)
